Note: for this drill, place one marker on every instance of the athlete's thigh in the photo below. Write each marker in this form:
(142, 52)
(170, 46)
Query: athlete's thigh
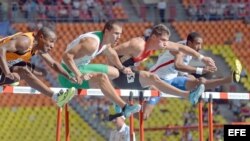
(111, 72)
(147, 78)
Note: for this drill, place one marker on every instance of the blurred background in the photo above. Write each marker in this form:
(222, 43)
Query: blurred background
(224, 25)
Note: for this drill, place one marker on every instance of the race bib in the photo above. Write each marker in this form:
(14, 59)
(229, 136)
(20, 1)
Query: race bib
(131, 78)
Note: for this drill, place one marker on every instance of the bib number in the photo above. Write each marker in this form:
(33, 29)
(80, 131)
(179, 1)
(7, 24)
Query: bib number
(131, 78)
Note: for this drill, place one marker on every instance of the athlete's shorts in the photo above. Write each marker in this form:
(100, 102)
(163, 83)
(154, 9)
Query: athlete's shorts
(178, 82)
(64, 82)
(5, 81)
(125, 81)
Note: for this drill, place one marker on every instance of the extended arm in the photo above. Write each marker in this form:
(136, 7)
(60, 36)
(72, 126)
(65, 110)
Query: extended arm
(179, 65)
(54, 65)
(114, 60)
(187, 50)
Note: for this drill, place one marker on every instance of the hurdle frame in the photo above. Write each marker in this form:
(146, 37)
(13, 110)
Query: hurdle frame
(137, 93)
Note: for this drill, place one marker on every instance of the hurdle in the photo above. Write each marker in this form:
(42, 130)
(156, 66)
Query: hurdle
(136, 93)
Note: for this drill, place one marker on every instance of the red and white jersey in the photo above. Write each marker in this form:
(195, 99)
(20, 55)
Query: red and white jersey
(165, 67)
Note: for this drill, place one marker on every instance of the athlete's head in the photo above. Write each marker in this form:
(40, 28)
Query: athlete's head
(112, 31)
(119, 121)
(46, 39)
(159, 36)
(194, 40)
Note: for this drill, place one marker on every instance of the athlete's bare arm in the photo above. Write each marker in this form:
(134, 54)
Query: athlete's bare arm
(55, 65)
(122, 49)
(179, 65)
(19, 44)
(131, 48)
(114, 60)
(86, 46)
(187, 50)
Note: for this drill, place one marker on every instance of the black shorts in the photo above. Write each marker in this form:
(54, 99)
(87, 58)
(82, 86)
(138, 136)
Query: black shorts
(4, 80)
(128, 81)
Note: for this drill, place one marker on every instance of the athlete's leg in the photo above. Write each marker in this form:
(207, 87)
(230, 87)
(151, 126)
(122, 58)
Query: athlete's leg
(112, 72)
(209, 83)
(149, 106)
(90, 68)
(149, 79)
(100, 80)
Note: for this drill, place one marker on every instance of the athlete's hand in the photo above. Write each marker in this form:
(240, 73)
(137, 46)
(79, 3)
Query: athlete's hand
(13, 76)
(209, 69)
(73, 79)
(209, 62)
(127, 70)
(79, 79)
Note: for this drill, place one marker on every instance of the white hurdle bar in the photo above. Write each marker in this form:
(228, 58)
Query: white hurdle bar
(124, 92)
(136, 93)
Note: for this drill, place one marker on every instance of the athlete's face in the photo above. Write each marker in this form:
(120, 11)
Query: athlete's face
(115, 34)
(119, 121)
(48, 41)
(161, 41)
(196, 44)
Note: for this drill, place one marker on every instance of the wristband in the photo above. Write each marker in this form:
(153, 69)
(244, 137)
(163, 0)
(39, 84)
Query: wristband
(199, 70)
(200, 57)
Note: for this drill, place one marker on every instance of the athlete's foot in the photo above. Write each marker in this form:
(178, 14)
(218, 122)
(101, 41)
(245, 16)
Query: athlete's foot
(128, 110)
(196, 94)
(65, 97)
(117, 108)
(237, 70)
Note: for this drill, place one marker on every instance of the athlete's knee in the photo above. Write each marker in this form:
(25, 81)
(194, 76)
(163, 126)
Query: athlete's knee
(101, 78)
(202, 80)
(113, 73)
(154, 77)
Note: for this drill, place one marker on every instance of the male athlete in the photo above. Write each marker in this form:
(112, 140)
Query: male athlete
(170, 67)
(15, 56)
(82, 50)
(138, 49)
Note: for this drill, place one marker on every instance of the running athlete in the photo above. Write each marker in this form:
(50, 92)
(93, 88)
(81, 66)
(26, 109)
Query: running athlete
(172, 67)
(86, 47)
(138, 49)
(15, 56)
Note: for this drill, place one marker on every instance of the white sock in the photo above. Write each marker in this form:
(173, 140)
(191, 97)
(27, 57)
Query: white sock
(55, 96)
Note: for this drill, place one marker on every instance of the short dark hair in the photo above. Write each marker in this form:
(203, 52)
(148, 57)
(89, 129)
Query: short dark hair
(192, 36)
(45, 30)
(109, 25)
(159, 30)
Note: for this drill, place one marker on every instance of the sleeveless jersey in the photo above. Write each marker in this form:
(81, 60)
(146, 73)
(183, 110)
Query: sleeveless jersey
(16, 57)
(165, 67)
(134, 61)
(87, 59)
